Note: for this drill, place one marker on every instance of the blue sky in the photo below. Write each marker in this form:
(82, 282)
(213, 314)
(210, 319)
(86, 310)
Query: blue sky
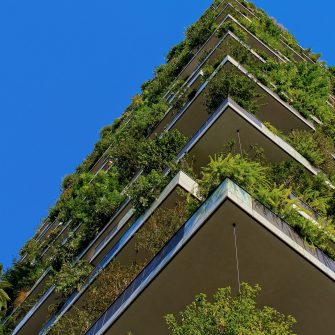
(69, 67)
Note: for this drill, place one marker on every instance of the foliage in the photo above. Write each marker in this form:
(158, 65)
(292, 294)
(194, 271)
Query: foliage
(199, 32)
(30, 249)
(311, 189)
(126, 145)
(316, 147)
(234, 28)
(68, 181)
(154, 156)
(256, 179)
(91, 203)
(116, 277)
(271, 33)
(331, 69)
(165, 74)
(160, 152)
(229, 315)
(22, 276)
(161, 226)
(230, 83)
(176, 50)
(4, 297)
(146, 189)
(71, 278)
(307, 86)
(107, 287)
(248, 174)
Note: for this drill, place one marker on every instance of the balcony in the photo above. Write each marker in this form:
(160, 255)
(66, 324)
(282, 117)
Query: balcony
(38, 314)
(254, 43)
(236, 8)
(195, 80)
(239, 6)
(103, 164)
(114, 229)
(233, 8)
(274, 110)
(297, 56)
(296, 278)
(231, 122)
(47, 228)
(124, 250)
(60, 235)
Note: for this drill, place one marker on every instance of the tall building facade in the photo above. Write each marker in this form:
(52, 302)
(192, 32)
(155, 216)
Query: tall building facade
(221, 171)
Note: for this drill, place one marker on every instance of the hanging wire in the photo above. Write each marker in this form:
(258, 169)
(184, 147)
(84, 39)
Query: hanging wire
(236, 256)
(239, 142)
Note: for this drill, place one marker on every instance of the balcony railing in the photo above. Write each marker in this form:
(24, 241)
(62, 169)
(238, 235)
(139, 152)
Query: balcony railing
(33, 310)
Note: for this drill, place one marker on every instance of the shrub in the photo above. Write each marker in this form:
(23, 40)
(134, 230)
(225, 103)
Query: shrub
(108, 286)
(68, 181)
(307, 85)
(234, 28)
(4, 297)
(199, 32)
(159, 153)
(229, 315)
(161, 226)
(256, 179)
(311, 189)
(230, 83)
(248, 174)
(304, 142)
(146, 189)
(71, 278)
(316, 147)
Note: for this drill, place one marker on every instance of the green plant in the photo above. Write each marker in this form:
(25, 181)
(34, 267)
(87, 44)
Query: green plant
(261, 184)
(68, 181)
(230, 315)
(199, 32)
(316, 147)
(307, 85)
(161, 226)
(146, 189)
(248, 174)
(159, 153)
(71, 278)
(230, 83)
(311, 189)
(4, 285)
(107, 287)
(331, 69)
(234, 28)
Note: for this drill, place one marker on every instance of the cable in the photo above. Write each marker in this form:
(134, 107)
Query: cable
(236, 255)
(239, 142)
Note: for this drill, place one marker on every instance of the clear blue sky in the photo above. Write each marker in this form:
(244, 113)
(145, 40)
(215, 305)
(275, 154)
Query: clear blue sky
(69, 67)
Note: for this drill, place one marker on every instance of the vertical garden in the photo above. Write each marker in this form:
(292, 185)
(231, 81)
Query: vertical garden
(143, 153)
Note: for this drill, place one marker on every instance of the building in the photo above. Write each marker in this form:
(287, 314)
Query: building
(146, 230)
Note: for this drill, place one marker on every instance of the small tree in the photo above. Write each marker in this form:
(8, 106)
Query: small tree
(4, 298)
(228, 315)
